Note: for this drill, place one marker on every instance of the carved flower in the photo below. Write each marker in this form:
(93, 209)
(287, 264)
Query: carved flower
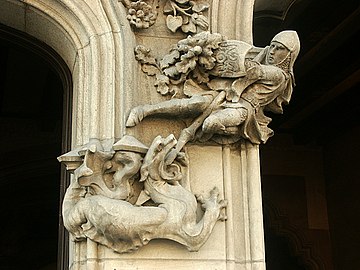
(140, 14)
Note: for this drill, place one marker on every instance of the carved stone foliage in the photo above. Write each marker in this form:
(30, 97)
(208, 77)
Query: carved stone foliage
(190, 59)
(125, 197)
(225, 84)
(141, 14)
(187, 16)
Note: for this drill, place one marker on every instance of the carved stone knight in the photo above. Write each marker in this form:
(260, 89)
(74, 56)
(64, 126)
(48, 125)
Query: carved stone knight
(106, 200)
(233, 105)
(271, 83)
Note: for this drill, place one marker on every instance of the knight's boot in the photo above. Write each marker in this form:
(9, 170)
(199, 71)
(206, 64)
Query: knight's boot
(218, 122)
(212, 124)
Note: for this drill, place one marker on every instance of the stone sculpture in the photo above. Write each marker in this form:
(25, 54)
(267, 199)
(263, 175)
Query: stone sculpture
(226, 84)
(183, 15)
(104, 202)
(129, 194)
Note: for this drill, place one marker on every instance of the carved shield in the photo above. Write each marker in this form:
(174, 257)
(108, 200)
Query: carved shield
(230, 59)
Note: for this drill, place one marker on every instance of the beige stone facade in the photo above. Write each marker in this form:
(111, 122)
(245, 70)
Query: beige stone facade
(97, 42)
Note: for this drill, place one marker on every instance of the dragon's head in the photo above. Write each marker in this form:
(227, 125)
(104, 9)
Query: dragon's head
(155, 166)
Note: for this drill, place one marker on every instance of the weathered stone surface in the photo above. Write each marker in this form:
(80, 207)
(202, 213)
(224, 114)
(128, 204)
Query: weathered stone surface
(219, 86)
(226, 110)
(99, 205)
(123, 195)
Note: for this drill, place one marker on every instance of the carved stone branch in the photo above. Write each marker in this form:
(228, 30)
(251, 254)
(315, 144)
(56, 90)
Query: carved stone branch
(191, 58)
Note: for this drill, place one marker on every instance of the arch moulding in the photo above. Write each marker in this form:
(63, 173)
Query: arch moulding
(90, 37)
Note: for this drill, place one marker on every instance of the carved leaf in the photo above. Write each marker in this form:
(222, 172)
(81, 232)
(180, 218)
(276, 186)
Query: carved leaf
(199, 6)
(169, 59)
(200, 20)
(186, 65)
(171, 71)
(200, 75)
(142, 54)
(150, 69)
(174, 22)
(168, 9)
(189, 28)
(163, 89)
(162, 84)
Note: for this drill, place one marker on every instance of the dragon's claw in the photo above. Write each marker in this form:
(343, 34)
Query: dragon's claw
(212, 203)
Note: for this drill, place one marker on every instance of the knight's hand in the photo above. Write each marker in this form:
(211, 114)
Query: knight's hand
(253, 70)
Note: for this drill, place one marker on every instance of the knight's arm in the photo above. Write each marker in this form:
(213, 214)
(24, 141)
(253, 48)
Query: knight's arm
(257, 54)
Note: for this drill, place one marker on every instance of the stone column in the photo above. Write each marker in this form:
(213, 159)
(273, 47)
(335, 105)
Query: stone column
(241, 165)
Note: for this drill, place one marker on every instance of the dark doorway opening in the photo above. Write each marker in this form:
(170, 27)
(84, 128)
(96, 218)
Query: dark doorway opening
(35, 99)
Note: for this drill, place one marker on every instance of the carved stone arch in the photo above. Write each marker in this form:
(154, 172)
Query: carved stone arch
(300, 246)
(90, 37)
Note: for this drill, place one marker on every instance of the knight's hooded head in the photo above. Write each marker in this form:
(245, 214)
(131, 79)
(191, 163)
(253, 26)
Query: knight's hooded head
(290, 40)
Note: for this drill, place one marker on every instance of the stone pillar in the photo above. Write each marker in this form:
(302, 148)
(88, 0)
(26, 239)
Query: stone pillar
(241, 165)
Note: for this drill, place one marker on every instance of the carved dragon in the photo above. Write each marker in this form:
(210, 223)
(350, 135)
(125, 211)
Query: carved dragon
(123, 226)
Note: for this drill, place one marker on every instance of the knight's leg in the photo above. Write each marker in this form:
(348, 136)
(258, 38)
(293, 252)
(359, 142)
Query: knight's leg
(221, 121)
(174, 107)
